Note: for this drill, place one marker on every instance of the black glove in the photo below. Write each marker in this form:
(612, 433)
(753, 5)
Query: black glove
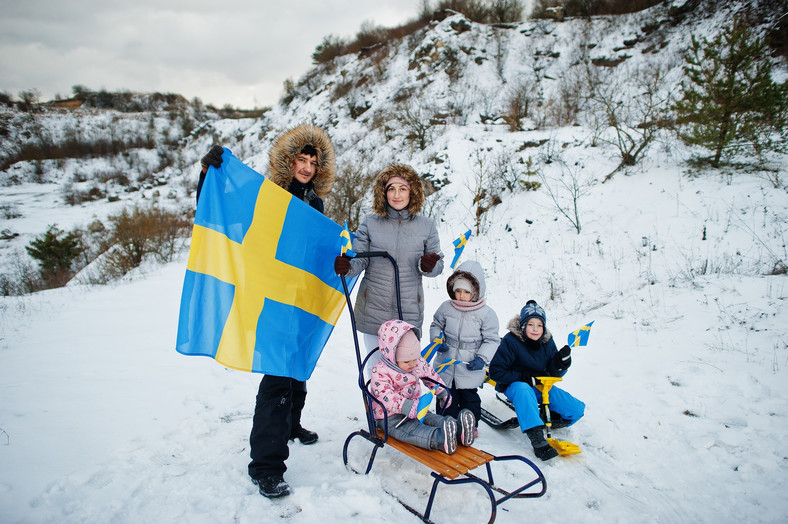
(562, 359)
(213, 158)
(428, 262)
(342, 265)
(528, 378)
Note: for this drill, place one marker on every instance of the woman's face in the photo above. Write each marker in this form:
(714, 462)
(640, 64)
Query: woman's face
(534, 329)
(398, 196)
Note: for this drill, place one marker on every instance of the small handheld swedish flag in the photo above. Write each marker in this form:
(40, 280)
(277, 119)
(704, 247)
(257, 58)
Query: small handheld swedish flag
(345, 244)
(448, 362)
(459, 245)
(424, 404)
(428, 352)
(580, 336)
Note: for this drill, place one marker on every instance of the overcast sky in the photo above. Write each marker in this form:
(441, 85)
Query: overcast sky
(236, 52)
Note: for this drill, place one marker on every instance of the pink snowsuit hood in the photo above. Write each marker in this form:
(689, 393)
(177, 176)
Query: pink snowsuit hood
(390, 384)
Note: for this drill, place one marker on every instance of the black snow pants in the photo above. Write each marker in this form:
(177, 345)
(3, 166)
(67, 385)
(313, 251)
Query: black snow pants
(464, 399)
(277, 414)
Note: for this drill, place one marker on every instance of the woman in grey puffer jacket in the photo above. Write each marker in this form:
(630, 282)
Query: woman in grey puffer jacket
(470, 335)
(396, 227)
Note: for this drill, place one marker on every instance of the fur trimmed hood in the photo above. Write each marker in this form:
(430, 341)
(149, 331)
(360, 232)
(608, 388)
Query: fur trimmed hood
(471, 271)
(282, 157)
(514, 329)
(379, 189)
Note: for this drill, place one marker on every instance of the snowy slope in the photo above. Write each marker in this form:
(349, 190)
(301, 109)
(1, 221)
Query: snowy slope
(685, 383)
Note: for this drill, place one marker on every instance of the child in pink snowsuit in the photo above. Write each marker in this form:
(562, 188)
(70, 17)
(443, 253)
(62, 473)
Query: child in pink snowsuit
(396, 383)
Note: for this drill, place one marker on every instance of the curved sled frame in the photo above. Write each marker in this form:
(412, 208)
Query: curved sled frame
(447, 469)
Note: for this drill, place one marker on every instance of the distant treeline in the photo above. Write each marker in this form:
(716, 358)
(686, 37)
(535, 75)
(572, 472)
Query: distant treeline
(124, 101)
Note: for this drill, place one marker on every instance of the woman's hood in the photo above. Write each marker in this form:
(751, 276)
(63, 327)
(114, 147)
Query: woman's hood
(379, 201)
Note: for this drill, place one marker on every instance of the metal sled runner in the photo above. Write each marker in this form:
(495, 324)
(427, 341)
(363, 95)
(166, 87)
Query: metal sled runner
(446, 469)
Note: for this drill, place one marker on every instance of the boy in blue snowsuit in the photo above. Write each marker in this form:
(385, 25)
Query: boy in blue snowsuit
(526, 352)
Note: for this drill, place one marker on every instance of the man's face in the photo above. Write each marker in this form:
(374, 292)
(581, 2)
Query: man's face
(305, 167)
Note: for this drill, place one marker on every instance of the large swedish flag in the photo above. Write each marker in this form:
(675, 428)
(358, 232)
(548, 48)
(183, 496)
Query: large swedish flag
(260, 292)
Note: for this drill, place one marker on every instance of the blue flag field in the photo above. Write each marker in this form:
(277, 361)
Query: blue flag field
(260, 293)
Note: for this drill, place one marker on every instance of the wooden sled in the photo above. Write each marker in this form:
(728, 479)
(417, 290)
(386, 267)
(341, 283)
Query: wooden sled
(460, 468)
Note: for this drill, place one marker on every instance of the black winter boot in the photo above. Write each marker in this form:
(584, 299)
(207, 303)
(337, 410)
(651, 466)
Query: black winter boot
(541, 448)
(304, 435)
(272, 486)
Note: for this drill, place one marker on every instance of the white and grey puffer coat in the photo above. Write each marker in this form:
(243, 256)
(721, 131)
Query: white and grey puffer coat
(406, 236)
(468, 333)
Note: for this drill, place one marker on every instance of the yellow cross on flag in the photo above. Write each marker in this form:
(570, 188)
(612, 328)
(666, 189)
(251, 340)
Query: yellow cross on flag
(260, 293)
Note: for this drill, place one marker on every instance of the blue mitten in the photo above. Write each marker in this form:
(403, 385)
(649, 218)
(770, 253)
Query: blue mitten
(475, 364)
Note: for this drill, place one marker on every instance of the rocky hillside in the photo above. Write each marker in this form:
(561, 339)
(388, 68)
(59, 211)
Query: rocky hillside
(482, 111)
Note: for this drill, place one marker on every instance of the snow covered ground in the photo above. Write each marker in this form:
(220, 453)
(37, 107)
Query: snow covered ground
(684, 381)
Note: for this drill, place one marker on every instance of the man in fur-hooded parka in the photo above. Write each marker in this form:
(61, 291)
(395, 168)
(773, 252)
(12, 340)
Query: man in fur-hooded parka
(280, 400)
(406, 236)
(282, 157)
(282, 160)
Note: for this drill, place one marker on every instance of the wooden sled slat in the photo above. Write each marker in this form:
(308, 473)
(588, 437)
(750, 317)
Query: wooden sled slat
(464, 459)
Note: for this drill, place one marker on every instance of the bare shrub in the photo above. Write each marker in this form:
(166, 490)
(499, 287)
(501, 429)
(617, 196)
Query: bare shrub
(476, 10)
(521, 98)
(341, 90)
(74, 195)
(29, 100)
(635, 120)
(505, 11)
(23, 277)
(588, 8)
(345, 202)
(115, 175)
(416, 120)
(137, 232)
(485, 195)
(577, 86)
(369, 34)
(331, 47)
(382, 121)
(565, 191)
(10, 211)
(435, 205)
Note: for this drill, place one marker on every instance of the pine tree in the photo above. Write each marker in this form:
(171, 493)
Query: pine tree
(55, 255)
(729, 100)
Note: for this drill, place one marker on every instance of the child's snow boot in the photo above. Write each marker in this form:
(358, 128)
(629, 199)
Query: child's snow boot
(467, 423)
(541, 448)
(445, 438)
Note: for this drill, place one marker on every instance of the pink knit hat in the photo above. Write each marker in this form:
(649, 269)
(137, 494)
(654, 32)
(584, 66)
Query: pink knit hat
(408, 348)
(397, 180)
